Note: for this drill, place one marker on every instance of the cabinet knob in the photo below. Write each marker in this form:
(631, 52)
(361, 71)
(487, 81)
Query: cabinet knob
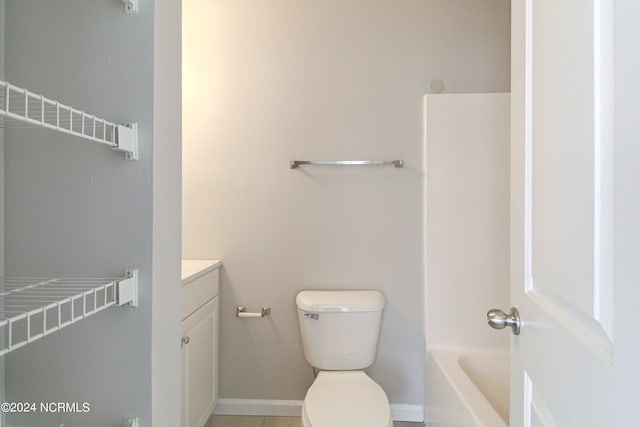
(185, 340)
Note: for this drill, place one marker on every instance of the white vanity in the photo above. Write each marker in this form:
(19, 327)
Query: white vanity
(199, 340)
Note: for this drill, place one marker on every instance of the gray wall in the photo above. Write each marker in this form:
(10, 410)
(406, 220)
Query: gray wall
(268, 82)
(77, 208)
(2, 6)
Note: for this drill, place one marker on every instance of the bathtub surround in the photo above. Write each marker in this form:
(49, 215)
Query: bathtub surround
(269, 82)
(467, 220)
(467, 253)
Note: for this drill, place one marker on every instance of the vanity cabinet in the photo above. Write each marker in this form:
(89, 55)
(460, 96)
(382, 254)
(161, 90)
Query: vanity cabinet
(199, 342)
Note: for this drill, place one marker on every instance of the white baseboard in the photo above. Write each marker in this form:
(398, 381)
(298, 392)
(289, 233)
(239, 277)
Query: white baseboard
(293, 408)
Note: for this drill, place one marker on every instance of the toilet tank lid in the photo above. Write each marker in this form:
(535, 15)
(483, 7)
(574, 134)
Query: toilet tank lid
(340, 301)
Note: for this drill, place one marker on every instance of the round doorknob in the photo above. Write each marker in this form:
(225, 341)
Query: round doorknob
(498, 319)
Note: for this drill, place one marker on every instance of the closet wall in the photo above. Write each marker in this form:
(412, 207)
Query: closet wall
(2, 3)
(1, 152)
(74, 208)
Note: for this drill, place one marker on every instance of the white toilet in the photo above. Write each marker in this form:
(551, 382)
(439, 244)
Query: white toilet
(340, 332)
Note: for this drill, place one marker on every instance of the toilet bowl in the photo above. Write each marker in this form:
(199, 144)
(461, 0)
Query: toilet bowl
(345, 399)
(340, 331)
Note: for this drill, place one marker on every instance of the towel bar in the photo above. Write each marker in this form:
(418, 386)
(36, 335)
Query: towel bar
(293, 164)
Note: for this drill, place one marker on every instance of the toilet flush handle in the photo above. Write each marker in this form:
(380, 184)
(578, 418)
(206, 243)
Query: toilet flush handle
(313, 316)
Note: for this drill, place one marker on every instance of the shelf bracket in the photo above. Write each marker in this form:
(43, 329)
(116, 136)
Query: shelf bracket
(131, 6)
(128, 141)
(128, 289)
(130, 421)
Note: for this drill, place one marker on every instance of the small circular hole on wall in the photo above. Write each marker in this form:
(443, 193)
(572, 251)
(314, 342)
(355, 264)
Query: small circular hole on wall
(436, 86)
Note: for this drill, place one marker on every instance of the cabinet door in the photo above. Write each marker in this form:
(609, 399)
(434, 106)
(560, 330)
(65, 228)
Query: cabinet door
(199, 364)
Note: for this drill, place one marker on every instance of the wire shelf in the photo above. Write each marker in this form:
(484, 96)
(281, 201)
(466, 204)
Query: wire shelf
(20, 107)
(31, 308)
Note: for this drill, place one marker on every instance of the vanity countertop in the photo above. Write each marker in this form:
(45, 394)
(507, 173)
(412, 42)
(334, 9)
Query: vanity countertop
(194, 268)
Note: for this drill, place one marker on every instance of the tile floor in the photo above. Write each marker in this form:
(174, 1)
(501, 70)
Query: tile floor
(242, 421)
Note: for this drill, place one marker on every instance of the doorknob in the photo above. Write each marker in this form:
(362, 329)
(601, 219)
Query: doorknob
(498, 319)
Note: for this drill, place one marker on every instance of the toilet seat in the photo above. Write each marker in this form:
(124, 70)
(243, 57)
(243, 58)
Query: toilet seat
(345, 399)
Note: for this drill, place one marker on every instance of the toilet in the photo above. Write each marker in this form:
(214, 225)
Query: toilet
(340, 331)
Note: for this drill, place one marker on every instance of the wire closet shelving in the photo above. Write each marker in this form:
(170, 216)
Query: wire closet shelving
(20, 107)
(31, 308)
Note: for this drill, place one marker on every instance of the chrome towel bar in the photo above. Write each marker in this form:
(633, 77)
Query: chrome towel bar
(293, 164)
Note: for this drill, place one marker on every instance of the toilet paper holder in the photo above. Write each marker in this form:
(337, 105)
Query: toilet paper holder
(242, 312)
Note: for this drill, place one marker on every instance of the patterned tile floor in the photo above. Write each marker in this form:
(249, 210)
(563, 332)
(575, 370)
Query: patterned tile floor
(243, 421)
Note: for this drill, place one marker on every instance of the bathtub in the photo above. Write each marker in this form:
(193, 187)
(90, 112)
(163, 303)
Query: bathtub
(468, 388)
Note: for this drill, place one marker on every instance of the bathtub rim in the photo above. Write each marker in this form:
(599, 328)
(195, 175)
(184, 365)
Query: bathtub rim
(447, 361)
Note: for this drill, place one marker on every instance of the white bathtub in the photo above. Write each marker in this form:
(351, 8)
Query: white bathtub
(467, 387)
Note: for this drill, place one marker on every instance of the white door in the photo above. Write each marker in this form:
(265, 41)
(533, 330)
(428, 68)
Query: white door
(575, 212)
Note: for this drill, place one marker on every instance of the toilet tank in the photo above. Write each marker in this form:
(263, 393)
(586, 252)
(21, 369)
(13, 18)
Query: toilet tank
(340, 329)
